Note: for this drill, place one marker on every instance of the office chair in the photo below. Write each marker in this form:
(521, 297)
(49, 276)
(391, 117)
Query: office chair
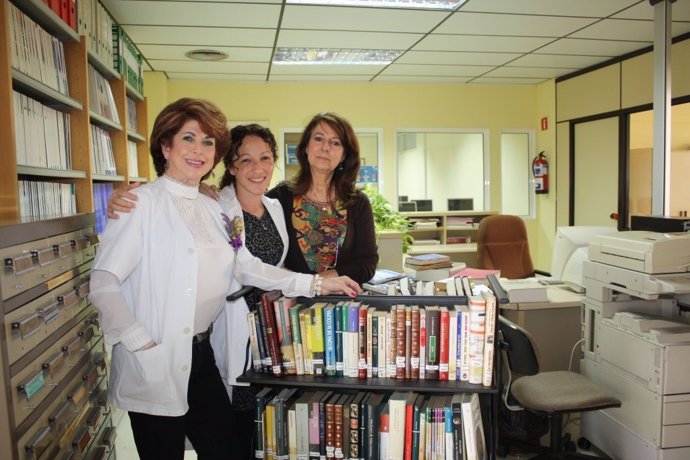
(550, 394)
(502, 244)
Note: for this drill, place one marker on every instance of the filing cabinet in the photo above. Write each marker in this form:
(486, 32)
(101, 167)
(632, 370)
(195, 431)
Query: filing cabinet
(53, 360)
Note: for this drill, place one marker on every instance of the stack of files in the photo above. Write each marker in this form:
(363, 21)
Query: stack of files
(524, 290)
(428, 262)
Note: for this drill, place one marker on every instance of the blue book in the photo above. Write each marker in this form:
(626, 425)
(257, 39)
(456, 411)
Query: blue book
(329, 338)
(339, 363)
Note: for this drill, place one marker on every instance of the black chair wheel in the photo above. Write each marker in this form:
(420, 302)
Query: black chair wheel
(570, 446)
(583, 443)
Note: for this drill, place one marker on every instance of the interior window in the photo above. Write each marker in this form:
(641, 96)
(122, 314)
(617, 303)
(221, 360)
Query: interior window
(441, 171)
(517, 186)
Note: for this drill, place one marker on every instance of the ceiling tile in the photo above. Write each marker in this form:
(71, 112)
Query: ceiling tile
(586, 47)
(528, 72)
(310, 77)
(209, 67)
(420, 79)
(213, 76)
(363, 19)
(200, 36)
(455, 57)
(174, 52)
(209, 14)
(556, 60)
(619, 29)
(438, 42)
(438, 70)
(511, 24)
(585, 8)
(680, 11)
(338, 39)
(508, 81)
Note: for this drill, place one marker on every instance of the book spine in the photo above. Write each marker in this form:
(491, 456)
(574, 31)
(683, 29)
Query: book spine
(392, 351)
(407, 450)
(414, 342)
(416, 428)
(354, 428)
(489, 340)
(271, 335)
(432, 339)
(314, 450)
(408, 342)
(456, 413)
(374, 345)
(465, 339)
(382, 344)
(329, 333)
(330, 429)
(254, 342)
(353, 340)
(317, 342)
(476, 336)
(297, 338)
(448, 432)
(305, 331)
(259, 444)
(444, 337)
(453, 344)
(400, 343)
(422, 343)
(362, 363)
(338, 428)
(285, 336)
(339, 357)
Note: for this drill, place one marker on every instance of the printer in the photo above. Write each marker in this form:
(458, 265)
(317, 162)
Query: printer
(643, 251)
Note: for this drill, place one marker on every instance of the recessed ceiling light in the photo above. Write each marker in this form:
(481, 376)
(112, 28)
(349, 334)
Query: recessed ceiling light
(206, 55)
(426, 4)
(315, 56)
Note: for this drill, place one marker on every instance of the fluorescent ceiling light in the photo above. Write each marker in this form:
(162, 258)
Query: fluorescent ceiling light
(315, 56)
(427, 4)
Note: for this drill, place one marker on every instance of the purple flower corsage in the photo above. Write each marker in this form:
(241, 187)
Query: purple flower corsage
(234, 227)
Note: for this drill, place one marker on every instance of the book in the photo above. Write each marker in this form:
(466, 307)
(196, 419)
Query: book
(384, 429)
(330, 425)
(477, 305)
(472, 427)
(433, 329)
(382, 344)
(340, 322)
(281, 307)
(411, 411)
(305, 332)
(463, 342)
(329, 339)
(489, 338)
(302, 424)
(416, 425)
(456, 414)
(397, 408)
(524, 290)
(316, 333)
(297, 345)
(362, 343)
(261, 399)
(268, 316)
(426, 259)
(374, 405)
(338, 424)
(443, 344)
(354, 424)
(382, 276)
(400, 341)
(414, 342)
(441, 268)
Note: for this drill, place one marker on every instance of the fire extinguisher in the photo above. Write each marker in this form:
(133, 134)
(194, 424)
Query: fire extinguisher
(540, 169)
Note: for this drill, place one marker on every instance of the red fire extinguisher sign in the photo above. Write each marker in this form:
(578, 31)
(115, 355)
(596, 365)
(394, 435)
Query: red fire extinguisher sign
(540, 170)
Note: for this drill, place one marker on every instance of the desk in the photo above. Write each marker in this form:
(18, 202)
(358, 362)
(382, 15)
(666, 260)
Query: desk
(555, 326)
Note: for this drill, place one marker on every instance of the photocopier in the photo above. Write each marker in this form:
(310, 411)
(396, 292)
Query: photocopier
(636, 343)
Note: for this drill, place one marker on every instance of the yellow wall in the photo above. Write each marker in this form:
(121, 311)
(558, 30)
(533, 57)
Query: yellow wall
(391, 107)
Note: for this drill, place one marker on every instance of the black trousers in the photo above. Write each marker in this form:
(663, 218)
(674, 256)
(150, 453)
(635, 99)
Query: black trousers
(208, 422)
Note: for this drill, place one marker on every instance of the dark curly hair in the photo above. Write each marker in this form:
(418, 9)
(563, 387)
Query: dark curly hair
(237, 136)
(171, 119)
(344, 179)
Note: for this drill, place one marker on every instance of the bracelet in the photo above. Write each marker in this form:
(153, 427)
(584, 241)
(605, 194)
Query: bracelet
(316, 287)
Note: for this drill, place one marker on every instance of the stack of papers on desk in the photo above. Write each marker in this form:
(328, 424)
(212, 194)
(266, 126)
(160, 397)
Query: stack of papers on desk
(524, 290)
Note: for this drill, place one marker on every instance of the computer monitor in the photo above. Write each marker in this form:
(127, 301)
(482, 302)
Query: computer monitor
(403, 198)
(661, 224)
(407, 206)
(460, 204)
(424, 205)
(570, 251)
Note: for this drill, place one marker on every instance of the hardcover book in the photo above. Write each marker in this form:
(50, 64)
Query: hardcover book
(269, 323)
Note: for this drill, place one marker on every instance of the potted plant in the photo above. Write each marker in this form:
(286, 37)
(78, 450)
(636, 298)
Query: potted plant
(387, 218)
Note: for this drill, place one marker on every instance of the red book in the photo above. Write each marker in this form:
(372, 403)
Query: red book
(272, 342)
(72, 15)
(362, 363)
(409, 413)
(444, 344)
(64, 10)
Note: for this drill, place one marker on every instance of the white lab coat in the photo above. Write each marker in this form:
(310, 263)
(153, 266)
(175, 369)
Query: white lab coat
(230, 331)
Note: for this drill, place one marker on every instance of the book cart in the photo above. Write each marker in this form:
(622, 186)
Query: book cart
(489, 396)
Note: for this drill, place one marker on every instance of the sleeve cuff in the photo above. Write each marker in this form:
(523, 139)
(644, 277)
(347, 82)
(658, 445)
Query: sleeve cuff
(135, 337)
